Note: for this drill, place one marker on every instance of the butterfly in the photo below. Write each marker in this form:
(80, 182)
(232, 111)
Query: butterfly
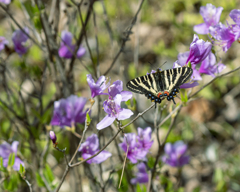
(161, 84)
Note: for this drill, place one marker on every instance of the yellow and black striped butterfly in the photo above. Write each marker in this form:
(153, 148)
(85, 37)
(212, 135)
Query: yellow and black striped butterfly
(162, 84)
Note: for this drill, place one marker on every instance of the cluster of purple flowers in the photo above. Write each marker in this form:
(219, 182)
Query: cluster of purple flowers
(175, 154)
(112, 106)
(224, 35)
(200, 52)
(20, 40)
(5, 1)
(137, 146)
(5, 150)
(69, 111)
(141, 175)
(91, 147)
(67, 49)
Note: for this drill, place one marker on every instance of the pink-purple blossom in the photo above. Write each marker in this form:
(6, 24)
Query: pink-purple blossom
(235, 28)
(6, 149)
(141, 175)
(144, 138)
(199, 50)
(133, 148)
(112, 106)
(223, 35)
(90, 147)
(20, 39)
(3, 42)
(175, 154)
(5, 1)
(211, 16)
(210, 67)
(98, 87)
(69, 111)
(137, 146)
(67, 48)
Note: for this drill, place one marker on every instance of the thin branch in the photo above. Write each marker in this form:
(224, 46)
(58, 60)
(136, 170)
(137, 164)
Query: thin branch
(224, 74)
(29, 184)
(126, 38)
(42, 163)
(79, 41)
(121, 128)
(124, 163)
(19, 26)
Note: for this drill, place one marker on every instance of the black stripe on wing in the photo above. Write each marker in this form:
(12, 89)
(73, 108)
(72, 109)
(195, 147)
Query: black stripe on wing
(139, 85)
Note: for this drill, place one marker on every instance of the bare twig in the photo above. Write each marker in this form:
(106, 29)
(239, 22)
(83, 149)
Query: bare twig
(42, 164)
(79, 41)
(29, 184)
(125, 159)
(125, 39)
(19, 26)
(139, 115)
(224, 74)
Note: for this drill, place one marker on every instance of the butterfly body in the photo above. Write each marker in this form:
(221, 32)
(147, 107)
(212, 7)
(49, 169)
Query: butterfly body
(162, 84)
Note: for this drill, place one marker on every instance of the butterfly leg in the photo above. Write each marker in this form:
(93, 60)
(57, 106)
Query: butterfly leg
(173, 101)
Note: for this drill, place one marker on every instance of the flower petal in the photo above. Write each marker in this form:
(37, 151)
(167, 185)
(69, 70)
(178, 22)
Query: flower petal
(126, 95)
(125, 114)
(201, 28)
(106, 121)
(15, 146)
(103, 156)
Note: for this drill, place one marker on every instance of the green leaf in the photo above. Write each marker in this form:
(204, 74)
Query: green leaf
(151, 162)
(2, 168)
(48, 174)
(138, 188)
(88, 119)
(197, 189)
(189, 64)
(11, 159)
(22, 170)
(12, 182)
(184, 96)
(39, 180)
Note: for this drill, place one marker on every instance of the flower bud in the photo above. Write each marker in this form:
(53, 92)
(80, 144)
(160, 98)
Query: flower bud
(53, 137)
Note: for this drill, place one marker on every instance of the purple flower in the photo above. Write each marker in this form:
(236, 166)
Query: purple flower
(112, 105)
(211, 16)
(175, 154)
(98, 87)
(208, 66)
(224, 36)
(69, 111)
(144, 138)
(5, 1)
(3, 42)
(235, 28)
(5, 150)
(19, 39)
(90, 147)
(141, 176)
(53, 137)
(67, 49)
(199, 50)
(134, 148)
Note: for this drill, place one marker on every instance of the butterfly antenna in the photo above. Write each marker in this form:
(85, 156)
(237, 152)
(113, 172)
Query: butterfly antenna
(163, 64)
